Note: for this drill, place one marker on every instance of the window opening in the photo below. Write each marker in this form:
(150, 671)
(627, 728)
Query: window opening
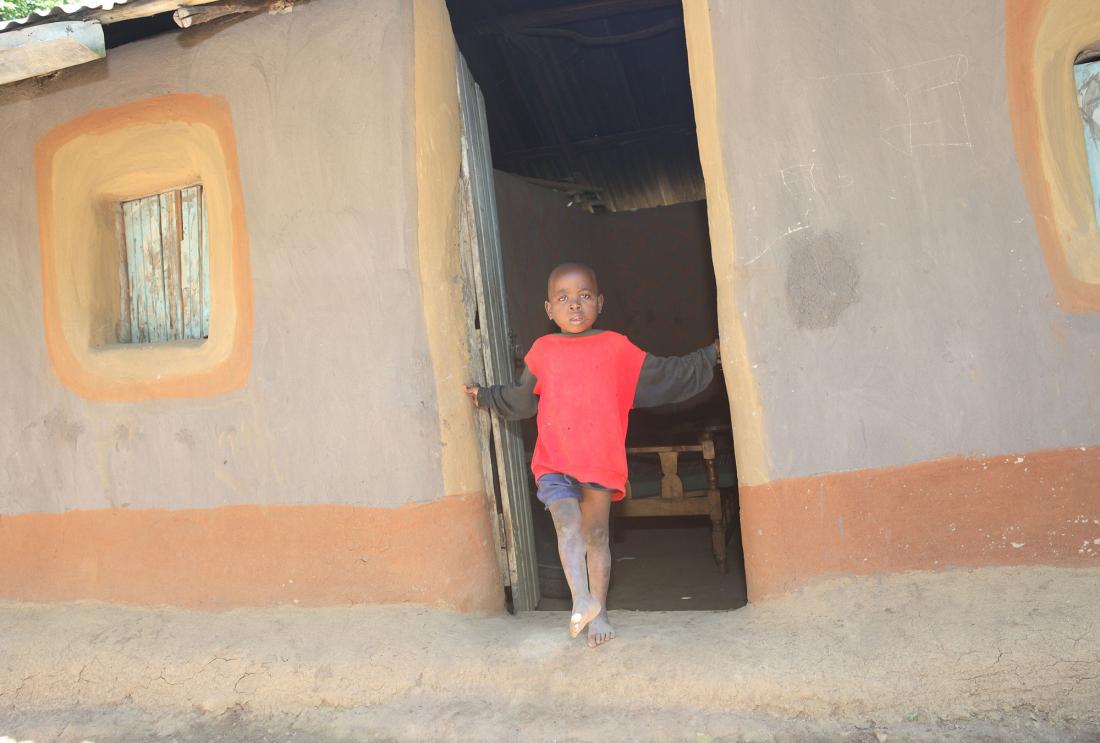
(1086, 75)
(166, 278)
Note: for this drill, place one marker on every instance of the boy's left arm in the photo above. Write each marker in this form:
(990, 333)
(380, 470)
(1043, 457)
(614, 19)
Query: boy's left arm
(668, 379)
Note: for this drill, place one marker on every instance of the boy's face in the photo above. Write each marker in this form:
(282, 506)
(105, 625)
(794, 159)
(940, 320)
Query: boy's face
(573, 298)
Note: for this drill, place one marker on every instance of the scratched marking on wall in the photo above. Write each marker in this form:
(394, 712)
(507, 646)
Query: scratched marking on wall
(935, 112)
(931, 89)
(804, 182)
(799, 179)
(935, 117)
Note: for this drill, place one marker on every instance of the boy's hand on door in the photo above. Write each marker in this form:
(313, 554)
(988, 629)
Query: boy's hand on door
(471, 391)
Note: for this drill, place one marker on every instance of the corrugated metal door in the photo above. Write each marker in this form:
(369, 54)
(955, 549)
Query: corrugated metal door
(490, 333)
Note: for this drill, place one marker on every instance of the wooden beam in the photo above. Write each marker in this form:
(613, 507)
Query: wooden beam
(569, 14)
(133, 10)
(187, 17)
(691, 504)
(105, 16)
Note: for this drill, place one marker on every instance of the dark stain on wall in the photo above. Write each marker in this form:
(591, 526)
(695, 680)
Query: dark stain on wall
(822, 278)
(61, 425)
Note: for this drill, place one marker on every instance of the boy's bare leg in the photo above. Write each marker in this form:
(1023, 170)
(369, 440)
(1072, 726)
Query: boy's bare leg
(595, 510)
(567, 522)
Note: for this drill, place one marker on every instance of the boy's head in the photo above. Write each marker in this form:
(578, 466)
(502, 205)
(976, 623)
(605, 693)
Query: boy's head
(573, 298)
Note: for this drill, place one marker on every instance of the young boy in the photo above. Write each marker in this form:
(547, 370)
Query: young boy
(582, 383)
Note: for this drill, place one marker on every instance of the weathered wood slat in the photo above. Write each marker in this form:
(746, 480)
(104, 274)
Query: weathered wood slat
(135, 261)
(170, 238)
(191, 270)
(153, 257)
(122, 330)
(204, 260)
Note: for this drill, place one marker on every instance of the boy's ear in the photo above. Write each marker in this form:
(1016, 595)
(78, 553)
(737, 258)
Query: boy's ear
(549, 314)
(599, 304)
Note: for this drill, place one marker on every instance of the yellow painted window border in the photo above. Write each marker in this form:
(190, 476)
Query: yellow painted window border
(1042, 41)
(85, 167)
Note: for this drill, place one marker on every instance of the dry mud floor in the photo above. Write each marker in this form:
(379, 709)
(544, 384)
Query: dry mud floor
(991, 654)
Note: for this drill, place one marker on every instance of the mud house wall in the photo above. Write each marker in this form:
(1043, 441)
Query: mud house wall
(653, 265)
(318, 479)
(918, 394)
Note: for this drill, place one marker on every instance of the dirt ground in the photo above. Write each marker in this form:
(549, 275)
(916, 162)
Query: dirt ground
(991, 654)
(664, 565)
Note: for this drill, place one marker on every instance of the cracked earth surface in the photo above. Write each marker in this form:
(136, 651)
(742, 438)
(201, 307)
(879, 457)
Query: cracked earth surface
(990, 654)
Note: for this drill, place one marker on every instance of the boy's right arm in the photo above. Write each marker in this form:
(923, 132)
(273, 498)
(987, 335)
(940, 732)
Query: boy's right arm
(511, 402)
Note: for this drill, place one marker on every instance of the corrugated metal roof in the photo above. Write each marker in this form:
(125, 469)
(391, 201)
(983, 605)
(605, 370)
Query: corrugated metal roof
(656, 168)
(63, 12)
(590, 91)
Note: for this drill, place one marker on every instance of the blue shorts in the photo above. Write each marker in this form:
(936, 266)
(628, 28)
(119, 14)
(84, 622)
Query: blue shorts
(553, 487)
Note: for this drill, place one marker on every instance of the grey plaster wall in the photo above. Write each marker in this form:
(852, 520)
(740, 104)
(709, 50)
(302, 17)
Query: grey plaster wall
(896, 303)
(339, 407)
(653, 264)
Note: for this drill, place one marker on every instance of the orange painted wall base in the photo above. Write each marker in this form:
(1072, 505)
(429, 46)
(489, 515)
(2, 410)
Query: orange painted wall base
(439, 553)
(1039, 508)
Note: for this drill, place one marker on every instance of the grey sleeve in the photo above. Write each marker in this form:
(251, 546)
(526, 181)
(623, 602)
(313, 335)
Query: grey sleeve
(511, 402)
(668, 379)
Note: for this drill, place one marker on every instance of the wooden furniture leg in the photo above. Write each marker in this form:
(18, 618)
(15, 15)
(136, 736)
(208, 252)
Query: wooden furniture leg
(673, 501)
(714, 503)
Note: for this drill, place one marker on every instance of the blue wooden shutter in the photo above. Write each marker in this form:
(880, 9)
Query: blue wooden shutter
(167, 267)
(1087, 77)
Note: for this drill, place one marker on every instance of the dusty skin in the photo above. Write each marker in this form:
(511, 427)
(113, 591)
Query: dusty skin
(990, 654)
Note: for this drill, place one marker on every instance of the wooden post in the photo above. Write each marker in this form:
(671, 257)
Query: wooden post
(671, 484)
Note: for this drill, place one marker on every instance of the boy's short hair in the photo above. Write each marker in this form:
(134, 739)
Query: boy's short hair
(574, 266)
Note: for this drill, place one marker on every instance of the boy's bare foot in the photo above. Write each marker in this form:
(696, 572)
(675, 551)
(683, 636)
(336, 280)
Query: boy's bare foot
(584, 611)
(600, 631)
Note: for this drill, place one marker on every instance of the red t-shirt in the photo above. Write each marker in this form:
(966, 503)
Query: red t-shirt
(586, 389)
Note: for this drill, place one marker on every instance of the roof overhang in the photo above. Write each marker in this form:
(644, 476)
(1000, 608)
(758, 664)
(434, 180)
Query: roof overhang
(39, 50)
(70, 34)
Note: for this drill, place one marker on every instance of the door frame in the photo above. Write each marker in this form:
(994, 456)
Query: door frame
(492, 349)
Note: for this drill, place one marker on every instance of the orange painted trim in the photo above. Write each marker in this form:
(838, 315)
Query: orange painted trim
(439, 553)
(1039, 508)
(1023, 21)
(225, 374)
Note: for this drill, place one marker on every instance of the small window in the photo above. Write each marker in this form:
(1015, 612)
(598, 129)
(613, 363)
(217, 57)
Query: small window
(166, 278)
(1086, 74)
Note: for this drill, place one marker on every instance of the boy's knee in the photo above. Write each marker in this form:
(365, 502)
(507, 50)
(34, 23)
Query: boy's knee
(596, 535)
(567, 520)
(566, 528)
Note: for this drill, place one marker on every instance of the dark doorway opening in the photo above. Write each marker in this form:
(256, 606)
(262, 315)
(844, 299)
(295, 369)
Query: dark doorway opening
(592, 133)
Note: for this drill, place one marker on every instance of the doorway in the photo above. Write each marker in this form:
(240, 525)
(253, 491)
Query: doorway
(591, 128)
